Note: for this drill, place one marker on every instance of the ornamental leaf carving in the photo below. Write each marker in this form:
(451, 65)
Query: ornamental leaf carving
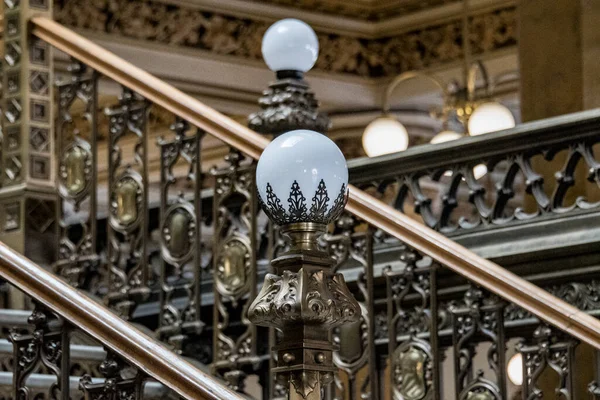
(326, 300)
(188, 26)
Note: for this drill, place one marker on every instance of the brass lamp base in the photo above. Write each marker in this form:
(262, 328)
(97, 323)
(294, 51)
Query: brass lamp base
(304, 300)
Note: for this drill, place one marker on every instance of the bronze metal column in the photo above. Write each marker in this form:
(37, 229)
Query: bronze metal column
(305, 300)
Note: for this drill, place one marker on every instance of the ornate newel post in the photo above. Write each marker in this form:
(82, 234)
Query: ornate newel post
(290, 48)
(302, 182)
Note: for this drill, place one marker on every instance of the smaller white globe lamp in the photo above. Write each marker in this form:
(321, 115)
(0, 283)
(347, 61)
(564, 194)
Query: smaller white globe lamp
(385, 135)
(490, 117)
(445, 136)
(290, 45)
(514, 369)
(302, 177)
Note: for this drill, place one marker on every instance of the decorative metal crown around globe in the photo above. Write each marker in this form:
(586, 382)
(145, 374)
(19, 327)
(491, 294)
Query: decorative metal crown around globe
(302, 177)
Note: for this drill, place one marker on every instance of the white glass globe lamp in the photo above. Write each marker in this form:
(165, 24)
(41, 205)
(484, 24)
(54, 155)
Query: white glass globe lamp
(302, 177)
(385, 135)
(445, 136)
(514, 369)
(490, 117)
(290, 45)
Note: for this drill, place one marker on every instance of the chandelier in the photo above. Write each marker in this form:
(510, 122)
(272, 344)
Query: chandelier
(473, 107)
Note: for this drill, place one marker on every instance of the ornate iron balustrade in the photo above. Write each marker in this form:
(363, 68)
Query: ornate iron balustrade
(440, 184)
(412, 336)
(131, 359)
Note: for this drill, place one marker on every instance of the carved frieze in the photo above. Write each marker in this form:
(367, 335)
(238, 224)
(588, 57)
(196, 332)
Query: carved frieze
(178, 25)
(376, 10)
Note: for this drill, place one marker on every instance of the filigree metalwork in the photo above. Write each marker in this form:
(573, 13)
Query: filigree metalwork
(548, 350)
(78, 261)
(483, 315)
(450, 198)
(288, 104)
(234, 269)
(128, 204)
(582, 295)
(181, 265)
(120, 382)
(297, 211)
(356, 340)
(44, 347)
(417, 279)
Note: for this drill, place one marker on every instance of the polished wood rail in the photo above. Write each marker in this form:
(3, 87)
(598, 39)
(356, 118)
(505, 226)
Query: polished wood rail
(111, 330)
(459, 259)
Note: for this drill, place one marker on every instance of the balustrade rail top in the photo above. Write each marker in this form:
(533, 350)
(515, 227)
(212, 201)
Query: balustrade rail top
(149, 86)
(109, 329)
(530, 136)
(459, 259)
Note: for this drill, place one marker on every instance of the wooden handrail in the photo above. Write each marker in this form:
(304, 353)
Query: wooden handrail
(109, 329)
(459, 259)
(149, 86)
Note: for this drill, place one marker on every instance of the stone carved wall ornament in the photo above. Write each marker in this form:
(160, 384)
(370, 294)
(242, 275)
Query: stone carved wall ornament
(178, 25)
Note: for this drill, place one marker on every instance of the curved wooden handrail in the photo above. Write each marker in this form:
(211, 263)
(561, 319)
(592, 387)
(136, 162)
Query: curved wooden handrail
(109, 329)
(459, 259)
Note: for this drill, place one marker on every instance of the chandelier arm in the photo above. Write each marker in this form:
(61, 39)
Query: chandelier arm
(406, 76)
(476, 67)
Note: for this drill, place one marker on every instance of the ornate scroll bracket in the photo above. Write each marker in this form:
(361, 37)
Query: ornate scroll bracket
(117, 384)
(43, 347)
(481, 314)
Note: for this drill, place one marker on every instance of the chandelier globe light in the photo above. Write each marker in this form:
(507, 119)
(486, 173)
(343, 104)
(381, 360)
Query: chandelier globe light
(302, 176)
(290, 45)
(384, 135)
(490, 117)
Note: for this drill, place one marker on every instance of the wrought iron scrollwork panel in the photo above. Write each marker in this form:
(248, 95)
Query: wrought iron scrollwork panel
(548, 350)
(234, 270)
(411, 303)
(128, 203)
(121, 382)
(356, 340)
(494, 191)
(77, 181)
(181, 267)
(480, 318)
(46, 348)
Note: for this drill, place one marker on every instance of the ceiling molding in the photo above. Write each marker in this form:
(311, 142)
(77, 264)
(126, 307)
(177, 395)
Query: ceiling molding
(225, 35)
(393, 23)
